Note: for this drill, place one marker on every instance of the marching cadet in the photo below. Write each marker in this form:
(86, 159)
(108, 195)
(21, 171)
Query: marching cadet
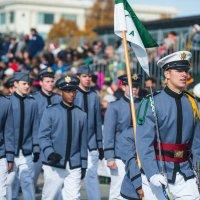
(25, 134)
(117, 119)
(45, 97)
(63, 142)
(89, 101)
(168, 133)
(6, 143)
(9, 84)
(132, 182)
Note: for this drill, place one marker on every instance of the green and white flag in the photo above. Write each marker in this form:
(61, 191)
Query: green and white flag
(126, 20)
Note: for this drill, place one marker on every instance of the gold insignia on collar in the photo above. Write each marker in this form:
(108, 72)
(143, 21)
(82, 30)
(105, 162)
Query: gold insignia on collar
(135, 77)
(183, 56)
(49, 70)
(68, 79)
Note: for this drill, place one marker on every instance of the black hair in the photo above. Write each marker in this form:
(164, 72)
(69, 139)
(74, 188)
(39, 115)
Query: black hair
(34, 30)
(152, 79)
(172, 33)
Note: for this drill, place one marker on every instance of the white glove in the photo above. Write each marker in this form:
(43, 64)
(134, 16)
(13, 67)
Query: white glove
(158, 180)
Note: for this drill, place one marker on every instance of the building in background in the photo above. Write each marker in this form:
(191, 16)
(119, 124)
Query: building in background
(19, 16)
(153, 12)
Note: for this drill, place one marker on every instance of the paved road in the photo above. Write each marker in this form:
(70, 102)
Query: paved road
(104, 191)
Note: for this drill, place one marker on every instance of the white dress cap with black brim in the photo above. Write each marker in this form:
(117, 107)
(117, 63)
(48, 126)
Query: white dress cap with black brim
(179, 60)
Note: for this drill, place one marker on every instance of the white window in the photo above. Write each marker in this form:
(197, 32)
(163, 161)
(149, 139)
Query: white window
(45, 18)
(2, 18)
(69, 17)
(12, 17)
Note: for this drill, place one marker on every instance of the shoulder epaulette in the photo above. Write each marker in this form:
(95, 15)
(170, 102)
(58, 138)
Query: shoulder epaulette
(93, 90)
(75, 106)
(53, 94)
(30, 96)
(54, 104)
(5, 96)
(114, 101)
(34, 93)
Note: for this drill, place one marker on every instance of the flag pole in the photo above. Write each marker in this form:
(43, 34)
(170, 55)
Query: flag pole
(128, 71)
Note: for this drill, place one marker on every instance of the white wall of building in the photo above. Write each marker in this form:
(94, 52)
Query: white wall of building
(27, 12)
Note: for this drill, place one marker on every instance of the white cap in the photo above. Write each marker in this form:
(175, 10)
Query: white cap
(196, 90)
(177, 60)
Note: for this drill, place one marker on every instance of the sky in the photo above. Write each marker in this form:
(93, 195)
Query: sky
(185, 7)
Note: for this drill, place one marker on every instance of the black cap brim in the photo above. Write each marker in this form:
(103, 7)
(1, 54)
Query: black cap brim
(69, 88)
(178, 65)
(50, 75)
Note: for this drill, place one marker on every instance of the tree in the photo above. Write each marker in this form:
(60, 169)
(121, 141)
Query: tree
(63, 29)
(101, 14)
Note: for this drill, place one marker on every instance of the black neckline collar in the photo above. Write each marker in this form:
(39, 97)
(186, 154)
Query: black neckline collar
(83, 91)
(66, 106)
(19, 96)
(126, 99)
(136, 100)
(45, 95)
(172, 93)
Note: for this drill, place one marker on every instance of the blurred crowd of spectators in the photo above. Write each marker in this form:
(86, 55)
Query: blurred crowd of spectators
(30, 53)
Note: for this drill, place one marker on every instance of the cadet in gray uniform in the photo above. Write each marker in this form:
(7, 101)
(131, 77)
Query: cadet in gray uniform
(117, 119)
(132, 183)
(63, 142)
(89, 101)
(179, 132)
(25, 134)
(6, 143)
(11, 89)
(45, 97)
